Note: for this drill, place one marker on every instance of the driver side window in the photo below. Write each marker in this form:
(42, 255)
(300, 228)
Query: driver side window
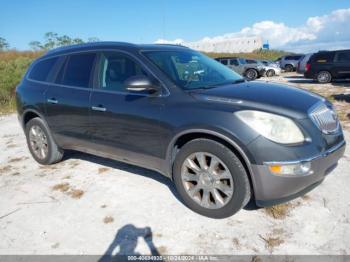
(115, 69)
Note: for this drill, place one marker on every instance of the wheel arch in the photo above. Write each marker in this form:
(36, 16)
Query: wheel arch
(29, 114)
(186, 136)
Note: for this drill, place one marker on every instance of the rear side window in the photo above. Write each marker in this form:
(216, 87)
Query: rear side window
(41, 70)
(250, 61)
(77, 70)
(343, 56)
(224, 61)
(234, 62)
(325, 57)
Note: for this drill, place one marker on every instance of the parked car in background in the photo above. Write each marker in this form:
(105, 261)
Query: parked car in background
(325, 66)
(168, 108)
(302, 63)
(271, 69)
(250, 71)
(289, 63)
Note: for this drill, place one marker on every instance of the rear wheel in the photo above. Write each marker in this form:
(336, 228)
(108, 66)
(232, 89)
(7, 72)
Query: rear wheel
(210, 179)
(270, 73)
(41, 144)
(324, 77)
(251, 74)
(289, 68)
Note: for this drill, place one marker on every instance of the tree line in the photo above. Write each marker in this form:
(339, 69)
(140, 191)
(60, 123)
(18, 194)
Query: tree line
(50, 40)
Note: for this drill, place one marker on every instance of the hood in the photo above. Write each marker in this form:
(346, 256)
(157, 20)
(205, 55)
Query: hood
(259, 95)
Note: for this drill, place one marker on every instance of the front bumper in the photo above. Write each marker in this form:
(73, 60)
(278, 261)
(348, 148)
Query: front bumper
(271, 189)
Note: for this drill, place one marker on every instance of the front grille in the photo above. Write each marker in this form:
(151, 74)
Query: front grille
(324, 118)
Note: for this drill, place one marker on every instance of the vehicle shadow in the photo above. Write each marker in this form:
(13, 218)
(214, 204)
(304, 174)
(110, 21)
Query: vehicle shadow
(342, 97)
(70, 154)
(301, 81)
(125, 242)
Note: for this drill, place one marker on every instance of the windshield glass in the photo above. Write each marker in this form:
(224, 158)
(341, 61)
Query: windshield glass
(192, 70)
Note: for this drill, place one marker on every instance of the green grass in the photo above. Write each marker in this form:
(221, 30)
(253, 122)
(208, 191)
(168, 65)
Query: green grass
(13, 65)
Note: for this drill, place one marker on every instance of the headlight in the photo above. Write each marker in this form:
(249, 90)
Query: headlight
(274, 127)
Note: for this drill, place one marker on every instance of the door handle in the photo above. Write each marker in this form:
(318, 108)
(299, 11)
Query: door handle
(98, 108)
(52, 101)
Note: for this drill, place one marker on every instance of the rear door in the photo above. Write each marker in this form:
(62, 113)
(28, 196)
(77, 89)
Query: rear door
(342, 64)
(124, 124)
(67, 105)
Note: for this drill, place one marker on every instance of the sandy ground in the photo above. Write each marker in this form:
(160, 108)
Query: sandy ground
(88, 205)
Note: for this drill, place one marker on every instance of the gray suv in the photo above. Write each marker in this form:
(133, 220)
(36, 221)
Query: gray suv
(221, 139)
(289, 63)
(250, 70)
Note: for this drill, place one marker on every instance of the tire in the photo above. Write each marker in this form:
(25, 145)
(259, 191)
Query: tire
(289, 68)
(236, 178)
(270, 73)
(251, 74)
(324, 77)
(41, 144)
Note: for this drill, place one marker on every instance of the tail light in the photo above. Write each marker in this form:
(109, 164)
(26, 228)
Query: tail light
(307, 67)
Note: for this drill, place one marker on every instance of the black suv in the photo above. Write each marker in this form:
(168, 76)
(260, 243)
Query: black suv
(221, 139)
(325, 66)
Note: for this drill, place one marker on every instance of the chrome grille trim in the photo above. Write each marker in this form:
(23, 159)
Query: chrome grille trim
(324, 118)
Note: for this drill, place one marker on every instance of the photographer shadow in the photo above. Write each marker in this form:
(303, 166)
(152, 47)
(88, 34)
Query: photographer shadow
(126, 241)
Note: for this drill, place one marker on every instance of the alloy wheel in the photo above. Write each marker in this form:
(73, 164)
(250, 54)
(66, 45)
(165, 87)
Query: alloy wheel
(38, 142)
(207, 180)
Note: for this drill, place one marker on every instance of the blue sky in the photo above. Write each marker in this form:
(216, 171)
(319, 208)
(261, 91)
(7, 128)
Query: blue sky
(146, 21)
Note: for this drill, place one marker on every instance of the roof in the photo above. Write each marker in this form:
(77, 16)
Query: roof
(119, 45)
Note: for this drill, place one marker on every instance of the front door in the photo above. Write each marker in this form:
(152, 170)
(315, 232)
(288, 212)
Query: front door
(124, 124)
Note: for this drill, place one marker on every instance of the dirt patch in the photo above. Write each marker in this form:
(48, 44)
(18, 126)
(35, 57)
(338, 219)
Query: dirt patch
(5, 169)
(279, 211)
(74, 163)
(108, 220)
(11, 146)
(68, 190)
(17, 159)
(103, 170)
(63, 187)
(76, 193)
(235, 242)
(49, 167)
(272, 241)
(306, 198)
(162, 250)
(103, 206)
(15, 174)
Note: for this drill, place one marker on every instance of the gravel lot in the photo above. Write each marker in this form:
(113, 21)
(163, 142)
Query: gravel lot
(91, 205)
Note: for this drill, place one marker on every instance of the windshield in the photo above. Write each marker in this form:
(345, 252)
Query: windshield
(192, 70)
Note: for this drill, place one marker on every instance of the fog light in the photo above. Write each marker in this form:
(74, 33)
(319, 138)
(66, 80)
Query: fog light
(302, 168)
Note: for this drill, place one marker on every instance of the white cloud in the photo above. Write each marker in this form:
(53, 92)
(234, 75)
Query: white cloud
(329, 31)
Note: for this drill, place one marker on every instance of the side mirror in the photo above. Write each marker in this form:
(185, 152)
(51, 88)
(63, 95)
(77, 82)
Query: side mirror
(140, 83)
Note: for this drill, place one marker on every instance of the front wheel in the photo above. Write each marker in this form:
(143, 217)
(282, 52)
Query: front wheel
(211, 179)
(40, 142)
(270, 73)
(251, 74)
(289, 68)
(324, 77)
